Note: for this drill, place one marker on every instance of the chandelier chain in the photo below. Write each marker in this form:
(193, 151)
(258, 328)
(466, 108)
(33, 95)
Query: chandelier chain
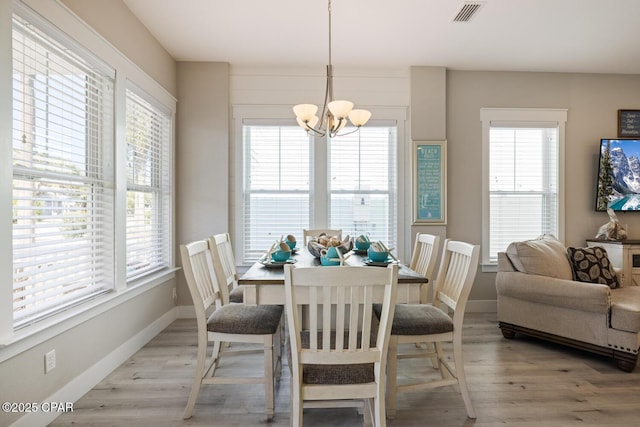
(334, 113)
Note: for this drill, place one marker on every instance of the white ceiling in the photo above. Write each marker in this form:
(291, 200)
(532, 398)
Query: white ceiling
(599, 36)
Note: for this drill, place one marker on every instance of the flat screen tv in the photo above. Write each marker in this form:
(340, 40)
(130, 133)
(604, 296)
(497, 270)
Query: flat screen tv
(619, 175)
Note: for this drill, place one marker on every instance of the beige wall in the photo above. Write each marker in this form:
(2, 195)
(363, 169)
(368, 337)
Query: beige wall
(428, 123)
(592, 101)
(202, 163)
(115, 22)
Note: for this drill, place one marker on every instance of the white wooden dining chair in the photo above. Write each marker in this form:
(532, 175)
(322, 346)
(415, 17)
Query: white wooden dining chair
(437, 323)
(423, 261)
(224, 265)
(219, 323)
(314, 233)
(226, 270)
(341, 360)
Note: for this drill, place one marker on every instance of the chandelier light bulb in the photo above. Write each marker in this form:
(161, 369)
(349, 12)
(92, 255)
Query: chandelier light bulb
(314, 121)
(305, 112)
(359, 117)
(307, 125)
(340, 109)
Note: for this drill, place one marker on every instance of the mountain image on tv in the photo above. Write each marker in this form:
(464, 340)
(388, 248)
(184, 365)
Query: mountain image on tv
(619, 175)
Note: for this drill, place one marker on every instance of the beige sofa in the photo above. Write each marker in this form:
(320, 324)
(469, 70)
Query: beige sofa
(538, 296)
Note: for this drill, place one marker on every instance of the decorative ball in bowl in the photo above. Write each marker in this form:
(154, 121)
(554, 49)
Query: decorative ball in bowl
(315, 246)
(291, 241)
(377, 256)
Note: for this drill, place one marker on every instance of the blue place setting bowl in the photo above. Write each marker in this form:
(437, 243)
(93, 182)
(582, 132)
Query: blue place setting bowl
(291, 241)
(280, 256)
(326, 261)
(362, 243)
(329, 256)
(376, 256)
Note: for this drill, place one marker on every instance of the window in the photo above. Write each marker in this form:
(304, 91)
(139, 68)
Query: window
(91, 179)
(63, 184)
(148, 186)
(277, 185)
(293, 181)
(522, 182)
(363, 184)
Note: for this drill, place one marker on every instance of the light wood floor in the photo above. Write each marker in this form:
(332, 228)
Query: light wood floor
(520, 382)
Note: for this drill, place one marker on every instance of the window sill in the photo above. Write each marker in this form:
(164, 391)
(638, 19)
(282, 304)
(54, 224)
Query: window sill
(30, 336)
(489, 268)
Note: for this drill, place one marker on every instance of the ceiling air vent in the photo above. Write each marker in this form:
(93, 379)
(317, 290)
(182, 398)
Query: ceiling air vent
(467, 11)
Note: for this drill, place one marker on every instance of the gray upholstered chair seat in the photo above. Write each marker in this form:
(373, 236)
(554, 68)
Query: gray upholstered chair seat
(334, 374)
(338, 374)
(237, 295)
(245, 319)
(418, 319)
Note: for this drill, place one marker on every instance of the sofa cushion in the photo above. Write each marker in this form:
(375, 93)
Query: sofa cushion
(625, 309)
(544, 256)
(541, 290)
(592, 265)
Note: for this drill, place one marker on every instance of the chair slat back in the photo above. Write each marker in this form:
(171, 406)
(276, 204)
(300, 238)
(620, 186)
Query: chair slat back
(197, 264)
(313, 233)
(425, 249)
(456, 274)
(339, 302)
(224, 264)
(423, 260)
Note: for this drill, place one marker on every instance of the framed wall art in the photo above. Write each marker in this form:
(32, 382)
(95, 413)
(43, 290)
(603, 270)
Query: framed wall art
(429, 182)
(628, 123)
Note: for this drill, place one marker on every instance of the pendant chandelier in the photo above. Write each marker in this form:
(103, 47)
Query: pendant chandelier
(334, 113)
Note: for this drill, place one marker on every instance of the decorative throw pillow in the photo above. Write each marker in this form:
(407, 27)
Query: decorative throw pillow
(544, 256)
(592, 265)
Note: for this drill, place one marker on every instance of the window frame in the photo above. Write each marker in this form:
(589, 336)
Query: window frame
(160, 188)
(319, 204)
(62, 125)
(519, 117)
(58, 19)
(393, 178)
(248, 192)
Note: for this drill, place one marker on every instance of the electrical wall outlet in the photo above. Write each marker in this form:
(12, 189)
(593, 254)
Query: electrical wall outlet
(175, 294)
(49, 361)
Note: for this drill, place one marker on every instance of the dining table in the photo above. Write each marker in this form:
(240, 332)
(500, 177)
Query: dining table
(263, 283)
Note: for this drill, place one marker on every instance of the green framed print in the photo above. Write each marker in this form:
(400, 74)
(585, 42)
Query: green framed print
(429, 182)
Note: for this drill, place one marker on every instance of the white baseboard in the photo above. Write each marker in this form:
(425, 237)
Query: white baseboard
(88, 379)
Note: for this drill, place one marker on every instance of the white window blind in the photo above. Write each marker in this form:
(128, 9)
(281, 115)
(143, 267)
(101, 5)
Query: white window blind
(523, 198)
(363, 183)
(277, 186)
(523, 185)
(148, 129)
(62, 173)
